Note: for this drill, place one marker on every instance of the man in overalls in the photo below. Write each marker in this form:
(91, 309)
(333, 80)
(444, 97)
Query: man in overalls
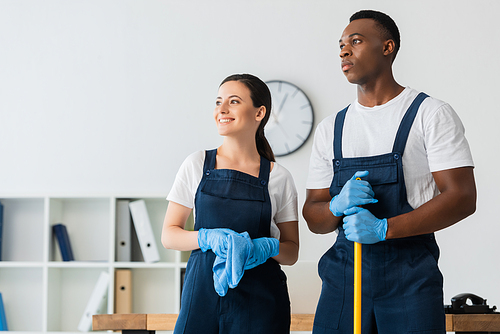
(388, 171)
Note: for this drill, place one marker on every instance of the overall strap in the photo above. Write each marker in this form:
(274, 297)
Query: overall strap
(210, 157)
(265, 169)
(337, 133)
(406, 123)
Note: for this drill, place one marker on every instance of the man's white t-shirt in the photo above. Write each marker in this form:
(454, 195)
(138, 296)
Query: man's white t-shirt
(436, 142)
(281, 187)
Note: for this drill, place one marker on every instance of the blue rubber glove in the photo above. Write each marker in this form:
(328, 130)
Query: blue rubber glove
(214, 239)
(353, 193)
(360, 225)
(263, 249)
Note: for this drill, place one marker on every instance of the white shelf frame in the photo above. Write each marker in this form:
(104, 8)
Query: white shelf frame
(170, 265)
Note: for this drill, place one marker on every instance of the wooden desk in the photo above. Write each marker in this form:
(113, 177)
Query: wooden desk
(485, 323)
(148, 323)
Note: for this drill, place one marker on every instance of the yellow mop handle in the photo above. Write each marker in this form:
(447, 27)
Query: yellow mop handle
(357, 286)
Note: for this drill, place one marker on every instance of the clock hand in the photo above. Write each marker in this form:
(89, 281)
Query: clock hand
(282, 129)
(274, 118)
(282, 104)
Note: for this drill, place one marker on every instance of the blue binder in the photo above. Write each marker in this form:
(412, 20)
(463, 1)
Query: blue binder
(3, 320)
(64, 245)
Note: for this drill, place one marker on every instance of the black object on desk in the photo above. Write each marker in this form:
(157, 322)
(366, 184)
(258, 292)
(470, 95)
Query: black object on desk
(459, 305)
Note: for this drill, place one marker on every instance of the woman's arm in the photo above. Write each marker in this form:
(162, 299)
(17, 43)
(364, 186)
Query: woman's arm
(289, 243)
(173, 235)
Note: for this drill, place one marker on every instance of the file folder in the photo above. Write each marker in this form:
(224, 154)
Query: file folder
(63, 239)
(123, 231)
(123, 291)
(144, 231)
(95, 303)
(3, 319)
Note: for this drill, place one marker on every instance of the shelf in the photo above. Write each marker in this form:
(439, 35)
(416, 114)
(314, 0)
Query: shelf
(23, 225)
(157, 265)
(20, 264)
(87, 221)
(78, 264)
(69, 290)
(150, 283)
(22, 294)
(37, 285)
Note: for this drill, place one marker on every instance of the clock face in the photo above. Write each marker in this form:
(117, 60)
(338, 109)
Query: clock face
(291, 120)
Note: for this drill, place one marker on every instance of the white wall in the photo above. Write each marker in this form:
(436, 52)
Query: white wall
(110, 96)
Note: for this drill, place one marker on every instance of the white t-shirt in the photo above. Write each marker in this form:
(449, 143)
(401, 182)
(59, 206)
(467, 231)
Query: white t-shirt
(436, 142)
(281, 186)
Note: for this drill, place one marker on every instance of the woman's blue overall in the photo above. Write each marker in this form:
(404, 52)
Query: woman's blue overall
(260, 303)
(401, 283)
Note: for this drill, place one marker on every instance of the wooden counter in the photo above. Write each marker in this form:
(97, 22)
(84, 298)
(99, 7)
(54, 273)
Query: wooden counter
(300, 322)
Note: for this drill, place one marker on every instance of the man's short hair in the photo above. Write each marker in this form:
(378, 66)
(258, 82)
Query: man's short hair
(388, 27)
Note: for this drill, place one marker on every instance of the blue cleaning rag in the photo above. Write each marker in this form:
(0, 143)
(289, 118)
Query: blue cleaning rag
(243, 253)
(228, 271)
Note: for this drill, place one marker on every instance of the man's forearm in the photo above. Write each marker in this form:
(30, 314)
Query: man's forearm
(319, 218)
(456, 201)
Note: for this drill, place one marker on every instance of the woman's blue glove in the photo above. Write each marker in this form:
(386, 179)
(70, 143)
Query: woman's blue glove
(214, 239)
(263, 249)
(354, 193)
(360, 225)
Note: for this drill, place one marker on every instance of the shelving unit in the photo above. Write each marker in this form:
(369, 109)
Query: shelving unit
(37, 285)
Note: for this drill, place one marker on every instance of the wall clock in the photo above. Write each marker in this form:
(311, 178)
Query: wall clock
(291, 120)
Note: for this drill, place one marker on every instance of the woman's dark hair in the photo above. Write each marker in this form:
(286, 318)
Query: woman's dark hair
(261, 96)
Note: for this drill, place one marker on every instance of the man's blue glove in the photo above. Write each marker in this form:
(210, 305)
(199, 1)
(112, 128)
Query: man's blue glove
(354, 193)
(214, 239)
(360, 225)
(263, 249)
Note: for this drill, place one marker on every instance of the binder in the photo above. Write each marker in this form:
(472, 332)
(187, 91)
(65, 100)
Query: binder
(3, 319)
(144, 231)
(183, 275)
(123, 231)
(95, 303)
(123, 291)
(61, 233)
(1, 229)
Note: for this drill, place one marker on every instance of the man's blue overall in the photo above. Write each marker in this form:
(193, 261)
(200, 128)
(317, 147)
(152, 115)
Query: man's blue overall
(260, 303)
(401, 284)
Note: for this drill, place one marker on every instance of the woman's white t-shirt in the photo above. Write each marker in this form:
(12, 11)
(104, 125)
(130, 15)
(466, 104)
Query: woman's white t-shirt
(281, 186)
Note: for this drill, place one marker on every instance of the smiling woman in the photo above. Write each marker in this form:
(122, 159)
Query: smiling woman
(235, 114)
(246, 221)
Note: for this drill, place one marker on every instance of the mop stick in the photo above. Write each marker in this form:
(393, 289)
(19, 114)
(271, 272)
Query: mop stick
(357, 288)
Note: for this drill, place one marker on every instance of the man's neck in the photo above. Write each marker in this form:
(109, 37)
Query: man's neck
(379, 92)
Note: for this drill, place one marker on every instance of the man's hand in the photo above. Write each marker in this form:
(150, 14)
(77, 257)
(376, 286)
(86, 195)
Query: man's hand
(360, 225)
(354, 193)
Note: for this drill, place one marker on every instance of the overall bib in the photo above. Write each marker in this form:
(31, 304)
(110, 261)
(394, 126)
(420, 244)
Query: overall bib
(260, 303)
(401, 282)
